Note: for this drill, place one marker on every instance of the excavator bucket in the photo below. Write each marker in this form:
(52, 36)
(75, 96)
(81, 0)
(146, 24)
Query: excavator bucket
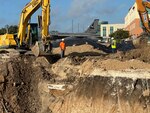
(37, 49)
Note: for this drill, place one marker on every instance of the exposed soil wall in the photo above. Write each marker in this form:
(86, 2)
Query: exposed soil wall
(104, 95)
(19, 88)
(93, 83)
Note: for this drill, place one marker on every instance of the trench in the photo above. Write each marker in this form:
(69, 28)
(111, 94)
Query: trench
(25, 90)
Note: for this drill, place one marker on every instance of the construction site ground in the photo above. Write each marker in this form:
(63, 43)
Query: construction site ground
(86, 80)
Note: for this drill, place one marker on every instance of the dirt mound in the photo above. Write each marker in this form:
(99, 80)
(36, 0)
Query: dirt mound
(112, 64)
(142, 54)
(81, 50)
(85, 66)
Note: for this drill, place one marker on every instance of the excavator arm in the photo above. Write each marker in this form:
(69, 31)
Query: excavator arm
(26, 14)
(143, 13)
(45, 18)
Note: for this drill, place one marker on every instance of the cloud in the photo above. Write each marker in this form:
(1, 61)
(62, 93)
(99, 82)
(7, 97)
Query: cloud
(83, 7)
(80, 11)
(83, 12)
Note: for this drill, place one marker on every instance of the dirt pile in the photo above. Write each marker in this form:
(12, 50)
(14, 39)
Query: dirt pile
(79, 66)
(142, 54)
(86, 50)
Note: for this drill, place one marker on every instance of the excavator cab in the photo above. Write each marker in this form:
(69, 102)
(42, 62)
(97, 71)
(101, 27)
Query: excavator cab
(32, 34)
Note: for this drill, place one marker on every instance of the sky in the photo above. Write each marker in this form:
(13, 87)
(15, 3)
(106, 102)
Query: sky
(65, 12)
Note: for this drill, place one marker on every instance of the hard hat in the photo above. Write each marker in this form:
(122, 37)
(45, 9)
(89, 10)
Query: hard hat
(62, 39)
(112, 38)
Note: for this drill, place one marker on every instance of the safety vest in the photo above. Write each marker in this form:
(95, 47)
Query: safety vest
(114, 44)
(62, 45)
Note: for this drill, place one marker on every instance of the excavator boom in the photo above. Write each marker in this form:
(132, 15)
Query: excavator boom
(45, 18)
(26, 14)
(143, 13)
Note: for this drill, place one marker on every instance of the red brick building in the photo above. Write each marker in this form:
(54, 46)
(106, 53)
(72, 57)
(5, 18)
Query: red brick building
(132, 21)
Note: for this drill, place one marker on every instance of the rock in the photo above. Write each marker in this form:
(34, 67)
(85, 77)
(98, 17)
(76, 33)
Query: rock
(2, 79)
(43, 61)
(146, 93)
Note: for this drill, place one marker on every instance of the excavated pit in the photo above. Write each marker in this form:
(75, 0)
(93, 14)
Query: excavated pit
(92, 84)
(104, 95)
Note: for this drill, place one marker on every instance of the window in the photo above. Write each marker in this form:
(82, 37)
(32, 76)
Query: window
(104, 31)
(111, 29)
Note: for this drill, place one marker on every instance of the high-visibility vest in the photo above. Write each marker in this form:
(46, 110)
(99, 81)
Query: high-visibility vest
(114, 44)
(62, 45)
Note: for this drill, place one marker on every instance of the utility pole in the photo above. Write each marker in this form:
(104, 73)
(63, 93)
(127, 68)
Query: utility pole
(72, 26)
(78, 27)
(83, 27)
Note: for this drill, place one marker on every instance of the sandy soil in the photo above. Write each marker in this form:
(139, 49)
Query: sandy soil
(95, 82)
(87, 50)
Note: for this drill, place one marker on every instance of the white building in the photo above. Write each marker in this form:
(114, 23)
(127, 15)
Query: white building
(107, 29)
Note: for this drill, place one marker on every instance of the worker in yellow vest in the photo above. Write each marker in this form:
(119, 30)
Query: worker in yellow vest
(113, 45)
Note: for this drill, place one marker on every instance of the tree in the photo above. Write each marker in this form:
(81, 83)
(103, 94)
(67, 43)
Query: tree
(120, 34)
(13, 29)
(9, 29)
(2, 31)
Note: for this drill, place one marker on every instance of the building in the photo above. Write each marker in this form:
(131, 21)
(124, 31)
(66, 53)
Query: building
(103, 28)
(107, 29)
(94, 27)
(132, 21)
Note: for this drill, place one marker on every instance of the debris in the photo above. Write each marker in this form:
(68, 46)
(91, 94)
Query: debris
(57, 86)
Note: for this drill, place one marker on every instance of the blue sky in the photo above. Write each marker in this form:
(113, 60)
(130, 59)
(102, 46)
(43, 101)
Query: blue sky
(82, 12)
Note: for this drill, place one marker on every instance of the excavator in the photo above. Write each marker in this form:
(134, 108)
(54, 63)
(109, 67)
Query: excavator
(142, 7)
(143, 13)
(27, 36)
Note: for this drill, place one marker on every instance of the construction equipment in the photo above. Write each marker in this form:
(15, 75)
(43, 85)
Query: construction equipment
(143, 13)
(142, 7)
(25, 40)
(7, 41)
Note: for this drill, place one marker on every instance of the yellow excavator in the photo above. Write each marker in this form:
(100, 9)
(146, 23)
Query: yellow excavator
(28, 32)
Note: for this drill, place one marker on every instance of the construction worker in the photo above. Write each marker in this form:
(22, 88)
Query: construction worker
(113, 45)
(62, 46)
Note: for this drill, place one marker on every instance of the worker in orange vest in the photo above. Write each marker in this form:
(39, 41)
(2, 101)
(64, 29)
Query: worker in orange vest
(62, 46)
